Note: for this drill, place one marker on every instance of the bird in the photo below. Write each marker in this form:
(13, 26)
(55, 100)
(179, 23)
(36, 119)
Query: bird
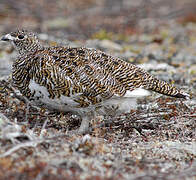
(79, 80)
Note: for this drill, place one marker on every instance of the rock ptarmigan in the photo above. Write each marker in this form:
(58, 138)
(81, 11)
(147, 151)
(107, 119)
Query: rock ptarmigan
(78, 80)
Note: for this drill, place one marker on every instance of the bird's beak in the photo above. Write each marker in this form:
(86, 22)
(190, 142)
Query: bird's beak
(7, 37)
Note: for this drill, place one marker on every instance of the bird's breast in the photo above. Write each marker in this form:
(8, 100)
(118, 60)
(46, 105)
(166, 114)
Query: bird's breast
(42, 96)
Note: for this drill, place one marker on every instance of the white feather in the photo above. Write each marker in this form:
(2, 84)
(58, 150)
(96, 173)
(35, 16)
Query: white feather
(63, 103)
(140, 92)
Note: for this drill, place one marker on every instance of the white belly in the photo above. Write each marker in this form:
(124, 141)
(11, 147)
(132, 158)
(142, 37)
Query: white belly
(67, 104)
(41, 98)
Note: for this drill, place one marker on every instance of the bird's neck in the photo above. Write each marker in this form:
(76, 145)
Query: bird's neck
(29, 49)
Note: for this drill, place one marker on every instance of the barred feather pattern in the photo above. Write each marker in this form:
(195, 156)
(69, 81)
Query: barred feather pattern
(83, 77)
(91, 74)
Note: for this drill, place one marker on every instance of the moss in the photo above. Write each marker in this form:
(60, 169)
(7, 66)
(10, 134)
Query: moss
(103, 34)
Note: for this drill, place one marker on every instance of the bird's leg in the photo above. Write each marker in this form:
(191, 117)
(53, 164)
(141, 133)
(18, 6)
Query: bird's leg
(27, 110)
(84, 127)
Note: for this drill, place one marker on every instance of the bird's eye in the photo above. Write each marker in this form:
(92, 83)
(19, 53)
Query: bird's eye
(20, 36)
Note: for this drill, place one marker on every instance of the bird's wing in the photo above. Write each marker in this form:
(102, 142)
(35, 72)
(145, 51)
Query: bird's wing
(96, 75)
(96, 72)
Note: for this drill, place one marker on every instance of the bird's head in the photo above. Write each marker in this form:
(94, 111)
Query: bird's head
(23, 41)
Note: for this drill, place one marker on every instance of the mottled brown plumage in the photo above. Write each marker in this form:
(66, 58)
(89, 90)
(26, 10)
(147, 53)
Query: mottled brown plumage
(76, 79)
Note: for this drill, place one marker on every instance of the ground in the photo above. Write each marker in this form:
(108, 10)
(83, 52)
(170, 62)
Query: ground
(156, 140)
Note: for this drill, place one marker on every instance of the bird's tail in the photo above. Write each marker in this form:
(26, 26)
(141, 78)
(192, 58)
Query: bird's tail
(165, 88)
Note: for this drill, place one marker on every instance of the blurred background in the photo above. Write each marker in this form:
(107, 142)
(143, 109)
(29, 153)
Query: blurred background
(156, 140)
(82, 19)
